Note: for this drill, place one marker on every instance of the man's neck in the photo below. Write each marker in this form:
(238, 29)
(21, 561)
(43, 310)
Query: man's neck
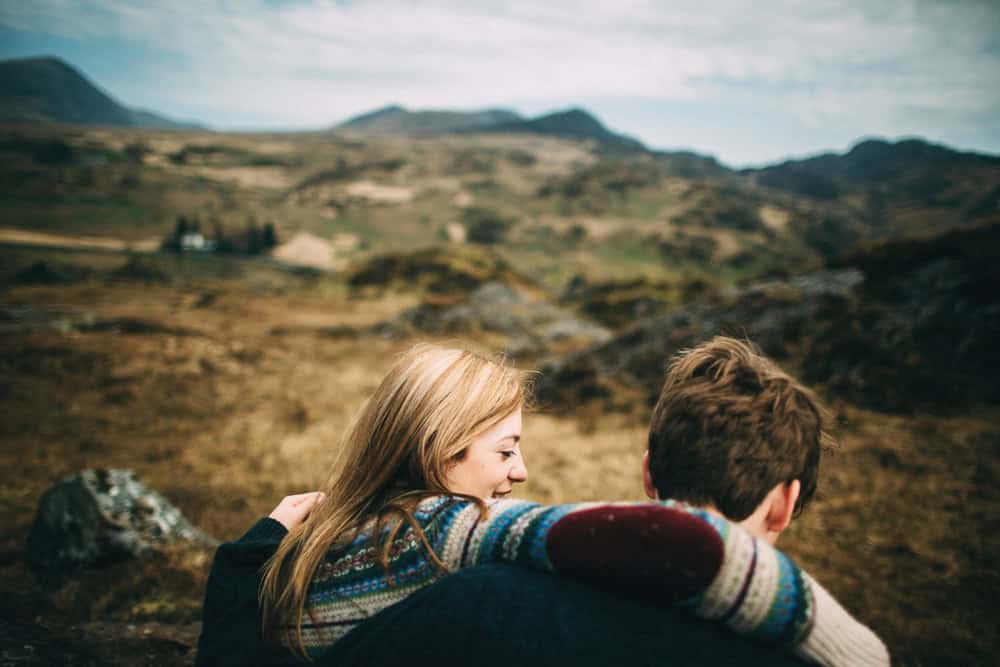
(753, 524)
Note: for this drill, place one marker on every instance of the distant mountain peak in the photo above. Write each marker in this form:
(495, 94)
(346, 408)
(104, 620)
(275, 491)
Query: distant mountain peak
(573, 123)
(391, 109)
(395, 119)
(575, 113)
(46, 89)
(574, 120)
(48, 60)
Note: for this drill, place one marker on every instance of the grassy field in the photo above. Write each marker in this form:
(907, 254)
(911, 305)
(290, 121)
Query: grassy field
(231, 395)
(559, 202)
(224, 383)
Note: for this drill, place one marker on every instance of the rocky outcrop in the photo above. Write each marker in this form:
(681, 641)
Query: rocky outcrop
(18, 318)
(140, 270)
(102, 516)
(441, 270)
(621, 303)
(900, 326)
(530, 326)
(630, 366)
(923, 332)
(48, 273)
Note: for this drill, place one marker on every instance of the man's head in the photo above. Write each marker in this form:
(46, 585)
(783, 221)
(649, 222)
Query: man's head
(734, 432)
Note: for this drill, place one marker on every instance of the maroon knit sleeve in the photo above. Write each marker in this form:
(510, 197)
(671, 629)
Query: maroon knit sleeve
(648, 551)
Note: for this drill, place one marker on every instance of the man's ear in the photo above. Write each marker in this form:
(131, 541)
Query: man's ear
(782, 506)
(647, 479)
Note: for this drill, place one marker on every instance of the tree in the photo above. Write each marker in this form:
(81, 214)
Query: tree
(253, 238)
(269, 237)
(486, 226)
(173, 242)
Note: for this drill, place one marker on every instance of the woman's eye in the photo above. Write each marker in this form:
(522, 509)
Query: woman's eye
(507, 453)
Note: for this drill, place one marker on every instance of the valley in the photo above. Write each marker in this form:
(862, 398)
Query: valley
(223, 379)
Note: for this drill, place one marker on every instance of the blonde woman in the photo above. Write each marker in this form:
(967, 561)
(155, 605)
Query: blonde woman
(421, 490)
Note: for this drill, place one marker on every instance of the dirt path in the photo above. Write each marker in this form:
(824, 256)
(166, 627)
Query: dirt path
(21, 236)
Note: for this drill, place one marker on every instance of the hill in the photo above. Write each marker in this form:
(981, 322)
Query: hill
(869, 162)
(566, 207)
(882, 188)
(568, 124)
(190, 370)
(398, 120)
(48, 90)
(688, 164)
(572, 124)
(900, 326)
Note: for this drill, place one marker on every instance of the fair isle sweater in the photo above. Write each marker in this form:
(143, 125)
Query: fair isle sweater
(666, 552)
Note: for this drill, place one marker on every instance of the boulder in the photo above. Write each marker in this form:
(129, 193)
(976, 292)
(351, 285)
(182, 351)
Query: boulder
(140, 270)
(103, 516)
(45, 273)
(529, 325)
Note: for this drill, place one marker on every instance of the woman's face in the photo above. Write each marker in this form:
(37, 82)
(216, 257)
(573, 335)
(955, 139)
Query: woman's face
(492, 464)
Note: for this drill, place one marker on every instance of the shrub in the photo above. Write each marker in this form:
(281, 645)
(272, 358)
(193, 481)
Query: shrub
(484, 225)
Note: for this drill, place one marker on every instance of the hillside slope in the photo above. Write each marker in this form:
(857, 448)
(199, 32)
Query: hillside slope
(49, 90)
(882, 189)
(398, 120)
(573, 123)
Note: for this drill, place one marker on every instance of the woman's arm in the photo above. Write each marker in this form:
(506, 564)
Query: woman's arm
(231, 631)
(666, 553)
(231, 626)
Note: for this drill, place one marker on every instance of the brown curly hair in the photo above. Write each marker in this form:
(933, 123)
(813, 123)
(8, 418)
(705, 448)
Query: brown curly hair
(729, 426)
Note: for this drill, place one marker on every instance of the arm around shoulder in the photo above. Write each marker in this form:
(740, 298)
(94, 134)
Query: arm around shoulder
(231, 630)
(672, 553)
(669, 554)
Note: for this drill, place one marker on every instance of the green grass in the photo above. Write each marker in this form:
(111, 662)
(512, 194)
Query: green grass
(644, 205)
(628, 253)
(132, 201)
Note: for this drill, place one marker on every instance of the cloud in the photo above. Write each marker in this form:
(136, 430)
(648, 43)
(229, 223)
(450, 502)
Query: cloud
(861, 64)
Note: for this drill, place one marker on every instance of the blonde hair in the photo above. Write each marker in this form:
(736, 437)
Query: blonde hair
(430, 406)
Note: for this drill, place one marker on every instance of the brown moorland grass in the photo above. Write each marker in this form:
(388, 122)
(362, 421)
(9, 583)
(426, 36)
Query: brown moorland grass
(239, 398)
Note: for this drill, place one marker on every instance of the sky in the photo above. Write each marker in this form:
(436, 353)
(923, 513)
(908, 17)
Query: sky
(750, 83)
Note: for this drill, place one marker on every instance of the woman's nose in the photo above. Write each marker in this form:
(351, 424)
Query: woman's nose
(519, 471)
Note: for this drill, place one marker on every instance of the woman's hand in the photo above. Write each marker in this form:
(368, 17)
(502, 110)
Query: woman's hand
(292, 510)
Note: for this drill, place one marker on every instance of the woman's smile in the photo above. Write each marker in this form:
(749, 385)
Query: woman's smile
(492, 464)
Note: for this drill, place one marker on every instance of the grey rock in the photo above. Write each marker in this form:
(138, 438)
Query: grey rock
(770, 313)
(530, 325)
(103, 516)
(46, 273)
(16, 318)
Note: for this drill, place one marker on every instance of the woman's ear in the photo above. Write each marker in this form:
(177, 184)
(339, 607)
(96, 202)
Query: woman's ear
(647, 479)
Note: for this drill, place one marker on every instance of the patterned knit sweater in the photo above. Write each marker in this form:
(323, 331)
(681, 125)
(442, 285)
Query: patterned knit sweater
(667, 552)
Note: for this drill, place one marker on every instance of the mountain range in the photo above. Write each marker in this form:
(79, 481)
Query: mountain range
(48, 90)
(395, 119)
(572, 123)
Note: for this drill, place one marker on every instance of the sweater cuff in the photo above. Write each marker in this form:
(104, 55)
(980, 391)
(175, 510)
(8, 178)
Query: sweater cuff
(837, 639)
(265, 530)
